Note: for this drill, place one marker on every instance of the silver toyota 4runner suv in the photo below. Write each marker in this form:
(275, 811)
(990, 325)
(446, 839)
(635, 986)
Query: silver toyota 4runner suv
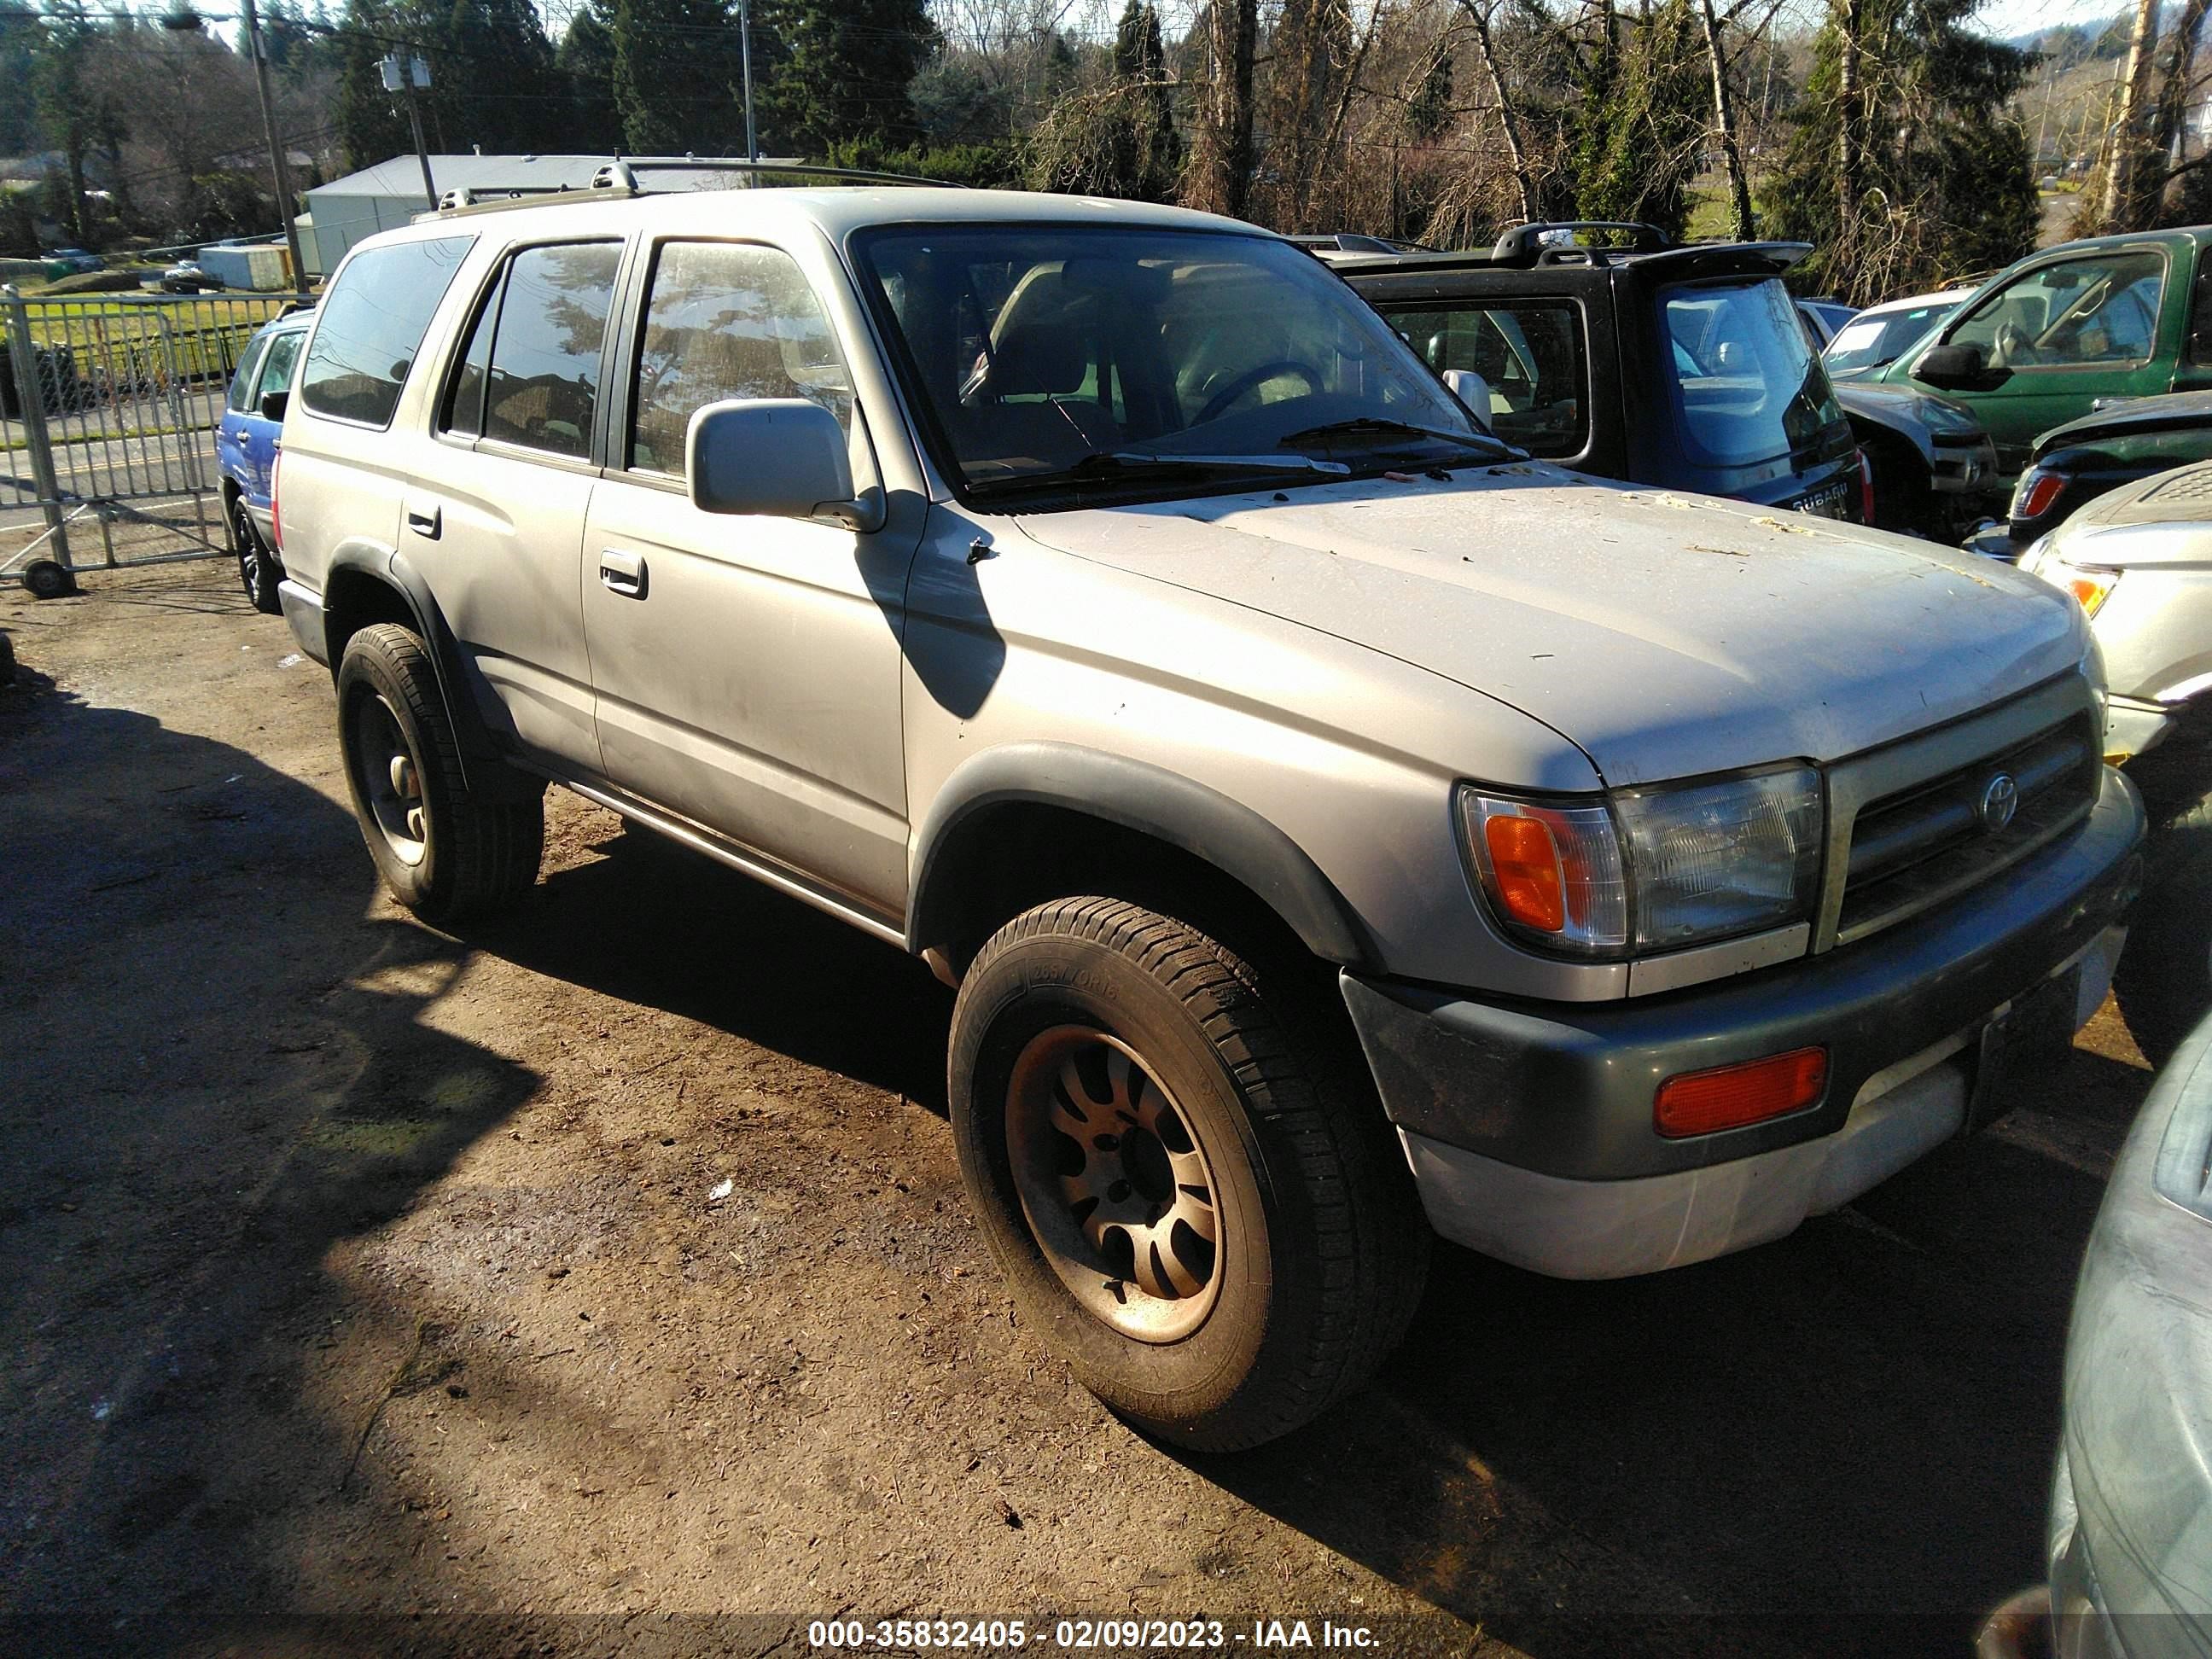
(1339, 828)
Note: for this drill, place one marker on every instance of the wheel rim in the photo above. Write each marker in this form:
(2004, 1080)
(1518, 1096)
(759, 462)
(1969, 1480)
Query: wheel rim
(249, 551)
(1118, 1191)
(390, 778)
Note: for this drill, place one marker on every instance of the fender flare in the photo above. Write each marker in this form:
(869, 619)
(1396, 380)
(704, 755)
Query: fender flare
(483, 768)
(1135, 795)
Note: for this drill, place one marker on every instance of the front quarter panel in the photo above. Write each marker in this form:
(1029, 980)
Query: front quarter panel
(1350, 754)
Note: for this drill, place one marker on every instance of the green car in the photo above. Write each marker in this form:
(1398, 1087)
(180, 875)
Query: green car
(2068, 330)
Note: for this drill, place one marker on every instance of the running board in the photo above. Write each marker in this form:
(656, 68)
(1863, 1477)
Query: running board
(704, 841)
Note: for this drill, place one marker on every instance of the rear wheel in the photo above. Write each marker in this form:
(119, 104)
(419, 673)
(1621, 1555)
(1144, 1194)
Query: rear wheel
(258, 567)
(1203, 1213)
(445, 851)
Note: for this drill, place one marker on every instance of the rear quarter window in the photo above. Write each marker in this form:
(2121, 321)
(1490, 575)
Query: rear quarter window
(371, 327)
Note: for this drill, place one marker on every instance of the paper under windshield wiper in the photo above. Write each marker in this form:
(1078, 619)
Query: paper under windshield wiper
(1362, 424)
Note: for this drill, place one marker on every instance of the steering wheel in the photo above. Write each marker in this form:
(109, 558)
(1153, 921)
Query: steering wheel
(1256, 377)
(2011, 345)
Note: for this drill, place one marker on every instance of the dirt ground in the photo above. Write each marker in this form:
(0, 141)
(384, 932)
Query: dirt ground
(364, 1288)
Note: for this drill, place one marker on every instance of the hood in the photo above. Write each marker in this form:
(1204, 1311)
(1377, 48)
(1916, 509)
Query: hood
(2174, 411)
(2164, 519)
(1665, 636)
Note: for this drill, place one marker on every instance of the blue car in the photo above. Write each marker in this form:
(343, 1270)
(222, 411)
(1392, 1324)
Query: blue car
(245, 452)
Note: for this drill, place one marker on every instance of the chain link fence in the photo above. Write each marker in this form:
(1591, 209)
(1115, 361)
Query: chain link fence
(109, 407)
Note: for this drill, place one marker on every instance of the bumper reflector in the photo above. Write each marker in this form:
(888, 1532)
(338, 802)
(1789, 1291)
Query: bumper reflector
(1730, 1096)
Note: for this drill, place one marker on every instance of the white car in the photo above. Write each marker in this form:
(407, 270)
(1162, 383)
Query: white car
(1881, 334)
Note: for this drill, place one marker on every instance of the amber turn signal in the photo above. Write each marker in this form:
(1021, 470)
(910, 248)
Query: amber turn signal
(1730, 1096)
(1525, 862)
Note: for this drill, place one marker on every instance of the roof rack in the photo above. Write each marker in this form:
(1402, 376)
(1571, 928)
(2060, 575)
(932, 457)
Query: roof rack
(618, 177)
(1541, 239)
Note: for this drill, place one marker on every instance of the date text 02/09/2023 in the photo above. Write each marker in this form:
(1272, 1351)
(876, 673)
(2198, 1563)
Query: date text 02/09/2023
(1084, 1635)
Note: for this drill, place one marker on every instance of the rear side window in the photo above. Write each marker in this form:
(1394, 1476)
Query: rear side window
(372, 324)
(243, 384)
(277, 367)
(1746, 386)
(543, 382)
(729, 320)
(1529, 354)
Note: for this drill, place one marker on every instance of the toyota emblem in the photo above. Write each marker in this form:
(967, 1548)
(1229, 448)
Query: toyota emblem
(2000, 800)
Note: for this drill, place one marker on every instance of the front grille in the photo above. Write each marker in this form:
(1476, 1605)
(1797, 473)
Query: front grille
(1920, 845)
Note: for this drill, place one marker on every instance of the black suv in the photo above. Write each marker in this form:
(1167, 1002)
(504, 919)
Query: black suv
(1544, 327)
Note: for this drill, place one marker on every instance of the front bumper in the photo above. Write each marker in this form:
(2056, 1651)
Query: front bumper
(1528, 1126)
(1964, 469)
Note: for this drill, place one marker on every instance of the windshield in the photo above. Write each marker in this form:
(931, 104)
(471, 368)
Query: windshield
(1746, 386)
(1873, 342)
(1042, 352)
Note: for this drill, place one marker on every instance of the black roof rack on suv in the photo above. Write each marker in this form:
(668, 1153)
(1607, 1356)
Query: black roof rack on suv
(1541, 239)
(621, 176)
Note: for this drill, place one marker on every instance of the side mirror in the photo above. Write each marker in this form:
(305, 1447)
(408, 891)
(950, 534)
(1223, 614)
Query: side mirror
(1956, 367)
(274, 403)
(781, 458)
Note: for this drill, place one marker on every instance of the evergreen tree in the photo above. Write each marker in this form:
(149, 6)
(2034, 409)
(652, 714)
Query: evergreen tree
(372, 127)
(1639, 132)
(586, 64)
(499, 88)
(675, 77)
(1945, 185)
(831, 69)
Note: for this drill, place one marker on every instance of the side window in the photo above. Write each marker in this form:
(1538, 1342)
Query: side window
(1530, 356)
(2099, 310)
(728, 320)
(277, 367)
(371, 326)
(462, 413)
(244, 384)
(544, 381)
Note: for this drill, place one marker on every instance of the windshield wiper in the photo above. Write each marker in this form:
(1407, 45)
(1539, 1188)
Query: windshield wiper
(1376, 423)
(1134, 462)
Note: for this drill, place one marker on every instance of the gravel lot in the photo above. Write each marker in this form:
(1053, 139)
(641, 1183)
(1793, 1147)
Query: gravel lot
(350, 1272)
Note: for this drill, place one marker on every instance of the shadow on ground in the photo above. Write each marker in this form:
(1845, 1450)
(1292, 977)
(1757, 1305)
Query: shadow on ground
(217, 1070)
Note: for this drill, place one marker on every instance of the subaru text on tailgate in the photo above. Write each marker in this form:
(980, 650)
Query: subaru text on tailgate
(1338, 828)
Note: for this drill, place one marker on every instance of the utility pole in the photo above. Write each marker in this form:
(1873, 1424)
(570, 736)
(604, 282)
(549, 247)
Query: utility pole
(185, 20)
(280, 166)
(745, 47)
(405, 75)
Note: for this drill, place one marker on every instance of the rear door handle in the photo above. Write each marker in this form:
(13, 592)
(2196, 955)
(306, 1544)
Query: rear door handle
(426, 525)
(621, 573)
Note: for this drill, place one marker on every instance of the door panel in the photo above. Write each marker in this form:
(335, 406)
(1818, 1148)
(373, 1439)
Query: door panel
(746, 668)
(501, 515)
(751, 682)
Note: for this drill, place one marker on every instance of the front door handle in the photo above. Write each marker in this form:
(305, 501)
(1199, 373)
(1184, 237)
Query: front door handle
(426, 524)
(621, 573)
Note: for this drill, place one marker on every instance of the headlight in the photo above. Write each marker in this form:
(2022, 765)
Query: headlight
(1650, 870)
(1941, 415)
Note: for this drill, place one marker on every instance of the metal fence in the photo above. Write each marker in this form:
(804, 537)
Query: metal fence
(109, 405)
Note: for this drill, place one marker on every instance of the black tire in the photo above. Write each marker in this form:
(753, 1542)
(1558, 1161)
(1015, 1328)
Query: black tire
(445, 852)
(2164, 985)
(259, 569)
(48, 579)
(1321, 1250)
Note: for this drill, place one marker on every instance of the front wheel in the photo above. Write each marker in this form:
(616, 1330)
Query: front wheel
(445, 851)
(1203, 1215)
